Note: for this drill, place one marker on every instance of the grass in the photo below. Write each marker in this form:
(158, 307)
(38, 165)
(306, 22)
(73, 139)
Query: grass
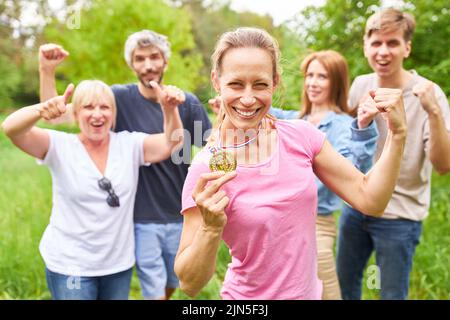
(25, 205)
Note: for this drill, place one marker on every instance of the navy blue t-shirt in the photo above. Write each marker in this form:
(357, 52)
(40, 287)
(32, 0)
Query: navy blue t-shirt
(158, 197)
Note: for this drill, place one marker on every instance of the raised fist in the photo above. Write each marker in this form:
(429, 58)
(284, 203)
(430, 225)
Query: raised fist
(367, 110)
(425, 92)
(389, 103)
(50, 56)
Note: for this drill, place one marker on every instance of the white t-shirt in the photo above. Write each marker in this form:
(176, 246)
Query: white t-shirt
(86, 237)
(412, 193)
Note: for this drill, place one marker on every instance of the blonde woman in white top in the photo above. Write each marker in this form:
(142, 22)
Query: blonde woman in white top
(88, 246)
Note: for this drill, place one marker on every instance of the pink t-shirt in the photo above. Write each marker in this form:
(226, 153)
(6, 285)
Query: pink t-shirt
(271, 218)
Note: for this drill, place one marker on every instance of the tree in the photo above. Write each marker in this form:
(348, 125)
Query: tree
(21, 23)
(10, 77)
(431, 41)
(212, 19)
(292, 53)
(96, 45)
(339, 25)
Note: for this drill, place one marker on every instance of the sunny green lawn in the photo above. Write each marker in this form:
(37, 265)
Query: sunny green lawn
(25, 203)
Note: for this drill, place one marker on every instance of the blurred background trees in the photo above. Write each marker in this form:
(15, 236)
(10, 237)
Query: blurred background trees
(94, 32)
(97, 47)
(339, 25)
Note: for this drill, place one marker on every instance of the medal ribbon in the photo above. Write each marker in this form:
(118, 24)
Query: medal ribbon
(214, 149)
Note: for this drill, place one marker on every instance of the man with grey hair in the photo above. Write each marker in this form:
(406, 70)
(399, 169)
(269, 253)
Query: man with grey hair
(157, 218)
(157, 48)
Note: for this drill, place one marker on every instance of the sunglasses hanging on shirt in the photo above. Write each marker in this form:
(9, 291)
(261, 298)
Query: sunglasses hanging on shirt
(113, 199)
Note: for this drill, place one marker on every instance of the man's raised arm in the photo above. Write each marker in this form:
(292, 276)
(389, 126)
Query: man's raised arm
(50, 56)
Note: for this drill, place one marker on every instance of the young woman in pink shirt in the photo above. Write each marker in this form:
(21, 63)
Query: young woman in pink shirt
(265, 209)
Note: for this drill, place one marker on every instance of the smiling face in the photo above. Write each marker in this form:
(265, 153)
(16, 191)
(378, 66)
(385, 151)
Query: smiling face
(317, 83)
(246, 84)
(94, 109)
(385, 52)
(149, 64)
(95, 119)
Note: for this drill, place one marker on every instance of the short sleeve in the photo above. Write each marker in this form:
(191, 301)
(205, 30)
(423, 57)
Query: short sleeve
(197, 168)
(315, 137)
(119, 90)
(359, 89)
(353, 94)
(56, 139)
(138, 143)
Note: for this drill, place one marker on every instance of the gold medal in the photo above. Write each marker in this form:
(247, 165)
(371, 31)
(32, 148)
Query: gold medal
(222, 160)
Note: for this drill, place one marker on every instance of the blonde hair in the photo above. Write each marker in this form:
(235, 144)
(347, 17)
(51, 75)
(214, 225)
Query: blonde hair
(388, 20)
(337, 69)
(93, 92)
(245, 37)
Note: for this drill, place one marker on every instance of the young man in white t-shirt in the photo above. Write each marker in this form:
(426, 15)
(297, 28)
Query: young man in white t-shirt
(394, 236)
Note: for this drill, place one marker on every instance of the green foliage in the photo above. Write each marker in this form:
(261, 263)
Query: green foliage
(208, 23)
(193, 27)
(18, 59)
(23, 217)
(339, 25)
(288, 95)
(9, 78)
(8, 82)
(18, 81)
(431, 42)
(25, 93)
(211, 20)
(96, 47)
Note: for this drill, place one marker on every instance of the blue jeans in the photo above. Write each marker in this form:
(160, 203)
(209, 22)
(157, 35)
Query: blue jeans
(110, 287)
(394, 243)
(156, 248)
